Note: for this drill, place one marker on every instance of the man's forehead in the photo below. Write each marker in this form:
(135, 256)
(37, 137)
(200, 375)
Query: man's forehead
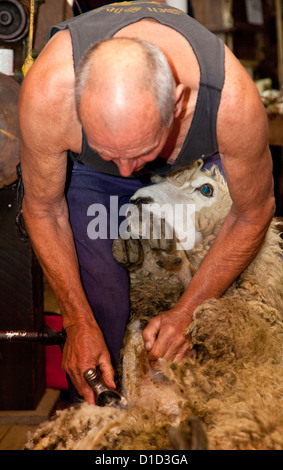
(126, 147)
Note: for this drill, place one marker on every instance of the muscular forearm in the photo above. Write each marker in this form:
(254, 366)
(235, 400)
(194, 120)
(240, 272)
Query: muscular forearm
(236, 245)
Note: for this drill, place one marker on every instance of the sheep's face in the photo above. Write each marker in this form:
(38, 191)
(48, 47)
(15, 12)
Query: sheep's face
(172, 207)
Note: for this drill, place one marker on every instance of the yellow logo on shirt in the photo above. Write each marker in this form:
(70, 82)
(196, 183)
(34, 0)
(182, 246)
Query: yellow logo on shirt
(122, 8)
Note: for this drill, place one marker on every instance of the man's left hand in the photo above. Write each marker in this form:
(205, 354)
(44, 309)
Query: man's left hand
(165, 336)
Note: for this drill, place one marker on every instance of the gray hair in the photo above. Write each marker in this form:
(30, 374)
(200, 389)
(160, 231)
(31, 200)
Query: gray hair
(158, 77)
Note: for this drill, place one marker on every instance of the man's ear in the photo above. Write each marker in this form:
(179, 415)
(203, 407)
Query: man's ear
(179, 99)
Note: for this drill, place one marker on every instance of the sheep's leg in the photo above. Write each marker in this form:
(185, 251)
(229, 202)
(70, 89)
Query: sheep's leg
(128, 253)
(189, 436)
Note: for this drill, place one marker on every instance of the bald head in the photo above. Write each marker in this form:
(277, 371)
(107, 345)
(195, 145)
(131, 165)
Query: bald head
(125, 78)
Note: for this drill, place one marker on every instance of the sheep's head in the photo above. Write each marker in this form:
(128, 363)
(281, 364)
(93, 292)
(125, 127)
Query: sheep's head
(173, 222)
(188, 205)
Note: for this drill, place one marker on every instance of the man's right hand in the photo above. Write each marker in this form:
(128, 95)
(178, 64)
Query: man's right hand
(84, 348)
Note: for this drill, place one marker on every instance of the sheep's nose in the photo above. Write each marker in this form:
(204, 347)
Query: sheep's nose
(141, 200)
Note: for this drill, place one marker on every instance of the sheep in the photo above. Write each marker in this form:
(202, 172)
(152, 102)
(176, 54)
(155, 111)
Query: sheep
(228, 394)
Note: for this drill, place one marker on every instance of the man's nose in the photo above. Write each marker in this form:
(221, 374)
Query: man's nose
(125, 166)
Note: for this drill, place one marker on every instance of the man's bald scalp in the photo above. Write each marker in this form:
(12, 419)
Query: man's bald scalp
(126, 68)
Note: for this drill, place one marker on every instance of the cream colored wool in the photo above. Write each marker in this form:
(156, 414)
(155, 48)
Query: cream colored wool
(231, 386)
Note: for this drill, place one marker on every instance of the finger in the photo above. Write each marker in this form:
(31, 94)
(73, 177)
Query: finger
(155, 365)
(150, 333)
(106, 369)
(88, 394)
(184, 351)
(167, 344)
(82, 386)
(107, 372)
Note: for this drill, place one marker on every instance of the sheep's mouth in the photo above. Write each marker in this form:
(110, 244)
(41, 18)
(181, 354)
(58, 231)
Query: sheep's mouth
(139, 201)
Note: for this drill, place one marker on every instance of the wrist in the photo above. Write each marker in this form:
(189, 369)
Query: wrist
(185, 310)
(82, 320)
(76, 311)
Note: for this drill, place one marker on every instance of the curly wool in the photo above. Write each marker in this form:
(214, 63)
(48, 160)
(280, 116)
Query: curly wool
(232, 384)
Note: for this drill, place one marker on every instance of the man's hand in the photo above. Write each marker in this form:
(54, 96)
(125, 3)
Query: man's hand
(165, 336)
(84, 348)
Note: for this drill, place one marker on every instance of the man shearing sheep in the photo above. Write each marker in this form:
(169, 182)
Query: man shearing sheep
(119, 93)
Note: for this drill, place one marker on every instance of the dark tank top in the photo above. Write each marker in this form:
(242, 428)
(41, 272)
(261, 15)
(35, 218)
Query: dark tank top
(105, 22)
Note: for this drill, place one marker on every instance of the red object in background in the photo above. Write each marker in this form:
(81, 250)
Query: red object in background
(54, 375)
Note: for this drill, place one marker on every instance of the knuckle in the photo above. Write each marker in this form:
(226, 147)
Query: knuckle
(155, 353)
(170, 331)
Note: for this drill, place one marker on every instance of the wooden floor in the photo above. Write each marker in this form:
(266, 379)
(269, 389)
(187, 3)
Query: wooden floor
(15, 426)
(14, 437)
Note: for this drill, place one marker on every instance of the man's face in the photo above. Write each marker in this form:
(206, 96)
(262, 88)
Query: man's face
(130, 151)
(130, 141)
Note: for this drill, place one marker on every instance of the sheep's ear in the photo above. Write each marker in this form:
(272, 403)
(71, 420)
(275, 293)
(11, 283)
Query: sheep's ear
(200, 163)
(182, 176)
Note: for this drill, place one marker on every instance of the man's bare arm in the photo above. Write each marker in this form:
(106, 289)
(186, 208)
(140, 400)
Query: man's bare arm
(247, 163)
(48, 126)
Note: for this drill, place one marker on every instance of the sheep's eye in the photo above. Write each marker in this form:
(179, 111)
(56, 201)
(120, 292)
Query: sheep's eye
(206, 190)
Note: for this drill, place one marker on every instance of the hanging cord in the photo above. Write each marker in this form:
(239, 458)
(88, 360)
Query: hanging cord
(29, 60)
(76, 3)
